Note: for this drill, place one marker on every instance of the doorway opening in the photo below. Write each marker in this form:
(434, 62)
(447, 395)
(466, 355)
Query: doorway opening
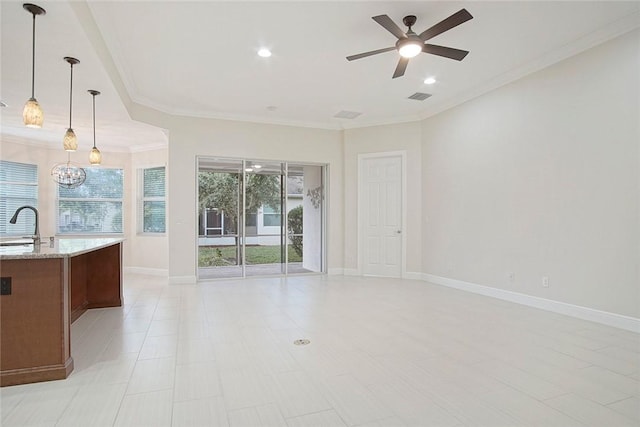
(260, 218)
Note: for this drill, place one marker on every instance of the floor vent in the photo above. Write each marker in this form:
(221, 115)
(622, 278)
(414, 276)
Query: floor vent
(419, 96)
(301, 342)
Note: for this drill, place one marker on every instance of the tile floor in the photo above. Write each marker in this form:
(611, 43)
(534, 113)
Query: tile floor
(383, 353)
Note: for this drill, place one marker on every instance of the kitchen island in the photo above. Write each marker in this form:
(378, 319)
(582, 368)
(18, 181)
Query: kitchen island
(44, 289)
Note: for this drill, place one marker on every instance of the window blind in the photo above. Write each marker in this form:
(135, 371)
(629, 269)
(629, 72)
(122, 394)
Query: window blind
(18, 187)
(153, 200)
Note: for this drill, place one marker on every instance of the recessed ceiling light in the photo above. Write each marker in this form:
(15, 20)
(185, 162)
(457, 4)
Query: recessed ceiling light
(429, 80)
(264, 52)
(248, 170)
(257, 166)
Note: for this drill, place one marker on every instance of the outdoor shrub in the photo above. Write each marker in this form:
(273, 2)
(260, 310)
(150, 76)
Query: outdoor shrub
(295, 227)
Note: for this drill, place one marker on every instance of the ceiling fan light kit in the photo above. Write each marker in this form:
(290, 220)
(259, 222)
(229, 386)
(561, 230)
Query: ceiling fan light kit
(410, 44)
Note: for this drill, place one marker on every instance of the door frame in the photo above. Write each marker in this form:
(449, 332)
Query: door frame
(325, 206)
(403, 205)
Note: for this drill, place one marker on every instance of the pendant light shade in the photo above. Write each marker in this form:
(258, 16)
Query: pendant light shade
(32, 115)
(94, 156)
(70, 142)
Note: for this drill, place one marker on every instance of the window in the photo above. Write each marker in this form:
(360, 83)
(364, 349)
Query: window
(270, 216)
(152, 208)
(94, 207)
(18, 187)
(213, 222)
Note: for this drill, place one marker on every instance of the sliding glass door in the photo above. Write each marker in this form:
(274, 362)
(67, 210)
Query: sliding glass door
(264, 225)
(259, 218)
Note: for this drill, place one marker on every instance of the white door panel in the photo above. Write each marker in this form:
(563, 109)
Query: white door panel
(381, 182)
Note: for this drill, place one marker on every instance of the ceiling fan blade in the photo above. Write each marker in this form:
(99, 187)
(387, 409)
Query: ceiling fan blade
(454, 20)
(373, 52)
(401, 67)
(389, 25)
(447, 52)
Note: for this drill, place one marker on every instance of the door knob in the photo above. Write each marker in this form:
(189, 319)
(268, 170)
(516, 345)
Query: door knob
(399, 232)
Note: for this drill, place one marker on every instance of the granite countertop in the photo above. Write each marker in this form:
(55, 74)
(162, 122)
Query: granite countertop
(61, 248)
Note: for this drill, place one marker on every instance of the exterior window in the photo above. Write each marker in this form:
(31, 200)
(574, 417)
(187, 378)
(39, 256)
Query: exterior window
(214, 222)
(18, 187)
(270, 216)
(95, 207)
(153, 200)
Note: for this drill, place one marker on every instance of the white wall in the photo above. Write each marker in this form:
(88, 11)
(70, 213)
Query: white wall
(397, 137)
(541, 178)
(190, 137)
(149, 252)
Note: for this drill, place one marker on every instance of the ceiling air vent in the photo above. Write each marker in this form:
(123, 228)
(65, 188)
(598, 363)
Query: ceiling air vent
(347, 114)
(419, 96)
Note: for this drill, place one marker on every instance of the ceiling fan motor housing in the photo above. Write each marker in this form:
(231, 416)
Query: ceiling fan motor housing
(409, 21)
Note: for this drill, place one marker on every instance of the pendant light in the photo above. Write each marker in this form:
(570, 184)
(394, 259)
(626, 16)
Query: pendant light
(70, 142)
(32, 115)
(94, 156)
(68, 175)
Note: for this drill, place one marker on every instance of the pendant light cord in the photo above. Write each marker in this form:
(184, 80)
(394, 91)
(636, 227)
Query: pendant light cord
(33, 57)
(70, 95)
(94, 120)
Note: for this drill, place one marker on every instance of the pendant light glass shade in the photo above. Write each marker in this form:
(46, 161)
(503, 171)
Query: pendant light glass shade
(95, 158)
(32, 115)
(70, 142)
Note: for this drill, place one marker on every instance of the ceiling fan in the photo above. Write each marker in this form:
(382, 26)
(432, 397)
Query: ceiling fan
(410, 44)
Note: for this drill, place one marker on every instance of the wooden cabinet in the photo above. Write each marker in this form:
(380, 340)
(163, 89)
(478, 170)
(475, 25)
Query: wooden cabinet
(47, 294)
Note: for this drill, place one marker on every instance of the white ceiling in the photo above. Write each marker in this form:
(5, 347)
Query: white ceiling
(199, 59)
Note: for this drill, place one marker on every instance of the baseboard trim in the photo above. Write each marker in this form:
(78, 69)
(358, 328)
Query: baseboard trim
(336, 271)
(182, 280)
(147, 271)
(611, 319)
(351, 272)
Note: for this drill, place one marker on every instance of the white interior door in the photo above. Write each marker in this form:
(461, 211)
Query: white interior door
(381, 215)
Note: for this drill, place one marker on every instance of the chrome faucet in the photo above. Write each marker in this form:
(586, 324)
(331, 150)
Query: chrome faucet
(36, 232)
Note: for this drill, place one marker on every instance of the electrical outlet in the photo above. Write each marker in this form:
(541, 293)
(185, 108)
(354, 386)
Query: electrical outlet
(5, 285)
(545, 281)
